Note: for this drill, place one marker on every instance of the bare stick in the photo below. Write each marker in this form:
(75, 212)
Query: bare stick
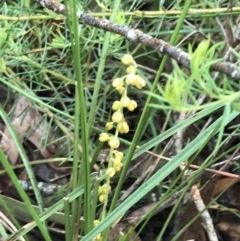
(206, 218)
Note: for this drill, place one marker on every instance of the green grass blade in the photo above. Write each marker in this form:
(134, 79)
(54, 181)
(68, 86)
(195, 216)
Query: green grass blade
(80, 119)
(24, 196)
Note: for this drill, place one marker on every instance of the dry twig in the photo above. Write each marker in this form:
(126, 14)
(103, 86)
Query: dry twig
(206, 218)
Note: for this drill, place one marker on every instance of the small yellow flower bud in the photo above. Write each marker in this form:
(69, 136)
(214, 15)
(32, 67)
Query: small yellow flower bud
(100, 189)
(110, 172)
(116, 104)
(117, 117)
(119, 154)
(132, 105)
(108, 188)
(117, 166)
(98, 237)
(114, 142)
(140, 81)
(127, 59)
(117, 82)
(104, 137)
(120, 90)
(104, 189)
(102, 198)
(96, 222)
(109, 125)
(123, 127)
(131, 69)
(137, 85)
(130, 79)
(125, 101)
(117, 159)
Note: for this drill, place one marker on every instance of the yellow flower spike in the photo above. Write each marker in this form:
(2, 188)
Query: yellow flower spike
(104, 137)
(116, 104)
(125, 101)
(109, 125)
(132, 105)
(110, 172)
(130, 79)
(131, 69)
(127, 59)
(117, 82)
(117, 117)
(114, 142)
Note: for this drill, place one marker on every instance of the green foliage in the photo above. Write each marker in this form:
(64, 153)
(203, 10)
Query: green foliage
(59, 41)
(174, 90)
(199, 56)
(66, 69)
(181, 89)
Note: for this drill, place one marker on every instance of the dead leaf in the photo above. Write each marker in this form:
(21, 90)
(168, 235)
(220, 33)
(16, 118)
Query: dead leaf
(232, 230)
(26, 119)
(223, 184)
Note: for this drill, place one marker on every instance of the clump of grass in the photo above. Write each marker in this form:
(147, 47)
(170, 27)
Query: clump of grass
(66, 69)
